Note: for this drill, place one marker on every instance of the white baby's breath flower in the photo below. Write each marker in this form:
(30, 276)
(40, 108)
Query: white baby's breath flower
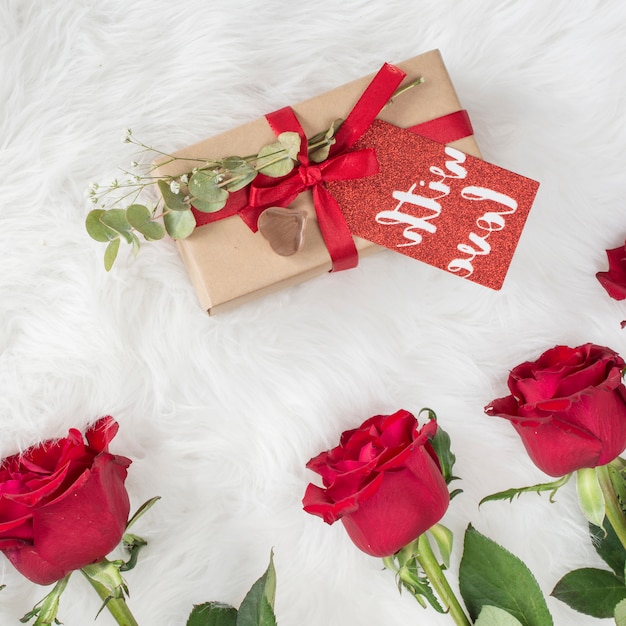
(175, 187)
(184, 179)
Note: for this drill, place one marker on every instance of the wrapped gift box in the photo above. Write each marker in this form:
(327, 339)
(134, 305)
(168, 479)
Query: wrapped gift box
(227, 262)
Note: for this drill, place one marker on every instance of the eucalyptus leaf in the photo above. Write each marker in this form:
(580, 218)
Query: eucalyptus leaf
(609, 547)
(291, 142)
(257, 608)
(116, 219)
(179, 224)
(110, 253)
(240, 177)
(590, 495)
(139, 217)
(204, 186)
(208, 207)
(96, 229)
(489, 575)
(173, 201)
(591, 591)
(493, 616)
(274, 161)
(320, 154)
(620, 613)
(212, 614)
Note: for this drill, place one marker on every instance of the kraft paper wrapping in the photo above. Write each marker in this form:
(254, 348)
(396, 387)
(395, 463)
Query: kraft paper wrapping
(229, 264)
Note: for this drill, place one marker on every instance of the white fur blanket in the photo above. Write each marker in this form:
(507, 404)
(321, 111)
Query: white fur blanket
(220, 414)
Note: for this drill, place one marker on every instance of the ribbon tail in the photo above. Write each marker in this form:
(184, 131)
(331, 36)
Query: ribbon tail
(335, 231)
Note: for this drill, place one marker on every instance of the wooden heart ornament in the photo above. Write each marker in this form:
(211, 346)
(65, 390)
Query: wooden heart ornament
(283, 229)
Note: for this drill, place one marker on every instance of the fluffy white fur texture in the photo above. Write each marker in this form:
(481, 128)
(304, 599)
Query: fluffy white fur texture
(221, 414)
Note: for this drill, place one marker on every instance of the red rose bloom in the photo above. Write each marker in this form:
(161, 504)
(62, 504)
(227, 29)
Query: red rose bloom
(63, 504)
(383, 481)
(614, 281)
(569, 408)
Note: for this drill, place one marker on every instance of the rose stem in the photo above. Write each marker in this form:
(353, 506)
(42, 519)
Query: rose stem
(433, 571)
(117, 606)
(614, 512)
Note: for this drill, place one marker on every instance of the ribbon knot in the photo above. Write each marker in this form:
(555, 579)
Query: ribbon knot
(310, 175)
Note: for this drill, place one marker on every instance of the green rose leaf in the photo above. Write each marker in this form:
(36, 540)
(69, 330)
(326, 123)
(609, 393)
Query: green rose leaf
(257, 608)
(591, 591)
(609, 547)
(139, 218)
(179, 224)
(620, 613)
(110, 253)
(173, 201)
(207, 196)
(493, 616)
(116, 220)
(212, 614)
(96, 229)
(274, 161)
(489, 575)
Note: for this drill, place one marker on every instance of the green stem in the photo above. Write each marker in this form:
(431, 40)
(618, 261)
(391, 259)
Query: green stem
(116, 606)
(432, 569)
(614, 512)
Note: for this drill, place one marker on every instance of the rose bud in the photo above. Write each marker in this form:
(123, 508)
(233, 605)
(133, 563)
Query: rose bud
(63, 504)
(569, 408)
(383, 481)
(614, 281)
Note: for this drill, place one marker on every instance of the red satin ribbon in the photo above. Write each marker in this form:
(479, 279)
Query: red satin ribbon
(340, 165)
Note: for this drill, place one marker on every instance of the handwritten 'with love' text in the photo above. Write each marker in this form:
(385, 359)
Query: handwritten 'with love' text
(437, 204)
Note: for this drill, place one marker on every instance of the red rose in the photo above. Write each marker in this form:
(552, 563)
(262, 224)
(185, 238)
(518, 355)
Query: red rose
(569, 408)
(383, 481)
(63, 504)
(614, 281)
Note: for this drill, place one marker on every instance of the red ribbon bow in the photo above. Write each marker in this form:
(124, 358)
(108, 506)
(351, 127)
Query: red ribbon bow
(340, 165)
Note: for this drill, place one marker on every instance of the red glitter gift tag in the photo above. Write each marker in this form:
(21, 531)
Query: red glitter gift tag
(437, 204)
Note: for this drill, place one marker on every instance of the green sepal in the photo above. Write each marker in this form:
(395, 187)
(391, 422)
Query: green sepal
(609, 547)
(140, 218)
(45, 611)
(617, 474)
(591, 591)
(443, 538)
(442, 446)
(590, 496)
(489, 575)
(509, 494)
(212, 614)
(179, 224)
(173, 201)
(96, 229)
(257, 608)
(410, 576)
(494, 616)
(110, 253)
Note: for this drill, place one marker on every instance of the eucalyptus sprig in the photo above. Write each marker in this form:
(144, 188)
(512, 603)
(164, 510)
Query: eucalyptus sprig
(121, 215)
(120, 212)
